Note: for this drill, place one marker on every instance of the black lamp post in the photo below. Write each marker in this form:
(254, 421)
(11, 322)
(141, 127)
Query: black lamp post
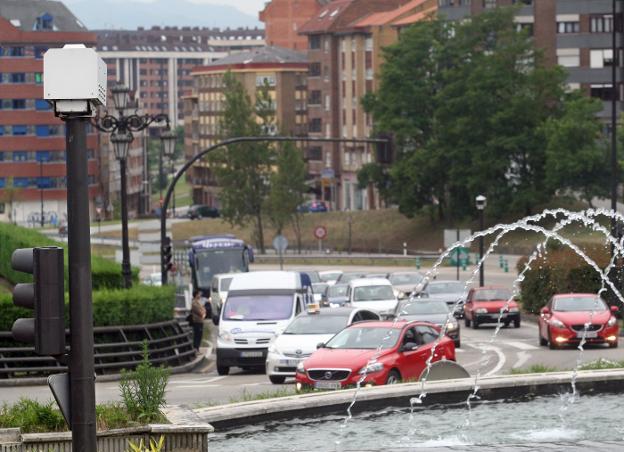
(481, 202)
(121, 128)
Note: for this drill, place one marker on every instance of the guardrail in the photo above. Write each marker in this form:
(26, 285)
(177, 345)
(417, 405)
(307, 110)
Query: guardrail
(116, 348)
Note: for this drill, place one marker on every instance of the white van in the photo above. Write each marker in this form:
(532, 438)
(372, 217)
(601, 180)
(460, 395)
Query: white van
(218, 293)
(259, 306)
(373, 293)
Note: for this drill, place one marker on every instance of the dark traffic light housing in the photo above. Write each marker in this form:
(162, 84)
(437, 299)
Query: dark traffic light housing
(45, 296)
(167, 251)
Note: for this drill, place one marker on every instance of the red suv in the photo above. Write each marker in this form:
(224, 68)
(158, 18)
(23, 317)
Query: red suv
(405, 348)
(562, 321)
(484, 305)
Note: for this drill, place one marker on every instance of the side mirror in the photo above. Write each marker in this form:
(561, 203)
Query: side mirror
(409, 346)
(615, 309)
(320, 345)
(545, 311)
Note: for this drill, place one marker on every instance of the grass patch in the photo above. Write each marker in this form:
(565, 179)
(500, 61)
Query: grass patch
(133, 233)
(249, 397)
(599, 364)
(534, 369)
(104, 251)
(183, 195)
(602, 364)
(342, 261)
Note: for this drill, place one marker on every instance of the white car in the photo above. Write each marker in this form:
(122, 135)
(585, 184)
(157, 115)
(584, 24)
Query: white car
(330, 276)
(375, 294)
(154, 279)
(301, 337)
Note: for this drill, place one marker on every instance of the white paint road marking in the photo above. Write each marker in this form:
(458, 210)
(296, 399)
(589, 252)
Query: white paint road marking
(501, 359)
(521, 345)
(523, 357)
(200, 381)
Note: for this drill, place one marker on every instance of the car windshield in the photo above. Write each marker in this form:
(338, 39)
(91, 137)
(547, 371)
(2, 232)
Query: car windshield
(369, 338)
(225, 284)
(424, 308)
(373, 293)
(450, 287)
(213, 262)
(347, 277)
(337, 291)
(317, 324)
(492, 294)
(587, 304)
(403, 279)
(258, 307)
(326, 277)
(314, 277)
(319, 287)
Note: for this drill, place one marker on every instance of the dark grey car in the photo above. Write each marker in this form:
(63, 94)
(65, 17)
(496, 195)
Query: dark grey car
(433, 311)
(449, 291)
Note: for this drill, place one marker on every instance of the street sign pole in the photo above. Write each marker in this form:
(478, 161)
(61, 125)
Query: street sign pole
(458, 255)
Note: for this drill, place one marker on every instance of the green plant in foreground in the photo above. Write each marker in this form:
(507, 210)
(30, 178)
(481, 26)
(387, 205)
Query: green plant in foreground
(534, 369)
(153, 446)
(602, 363)
(143, 390)
(32, 416)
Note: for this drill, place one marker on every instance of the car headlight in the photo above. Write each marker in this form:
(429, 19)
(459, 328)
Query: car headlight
(334, 305)
(452, 326)
(371, 368)
(300, 368)
(612, 321)
(225, 336)
(514, 310)
(557, 323)
(401, 294)
(481, 311)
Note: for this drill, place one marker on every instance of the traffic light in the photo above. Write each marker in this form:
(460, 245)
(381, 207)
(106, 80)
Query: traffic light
(45, 295)
(167, 254)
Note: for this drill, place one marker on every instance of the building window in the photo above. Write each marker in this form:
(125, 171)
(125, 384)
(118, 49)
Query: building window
(43, 156)
(602, 92)
(39, 51)
(42, 105)
(487, 4)
(262, 80)
(600, 58)
(601, 24)
(38, 78)
(21, 182)
(525, 28)
(1, 203)
(18, 104)
(314, 42)
(316, 125)
(569, 57)
(42, 131)
(19, 130)
(315, 98)
(1, 156)
(44, 22)
(20, 156)
(568, 27)
(315, 153)
(1, 130)
(16, 51)
(315, 69)
(17, 77)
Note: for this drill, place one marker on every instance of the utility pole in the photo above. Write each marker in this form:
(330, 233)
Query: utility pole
(614, 113)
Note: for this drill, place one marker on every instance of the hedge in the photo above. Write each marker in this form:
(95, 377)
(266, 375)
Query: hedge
(105, 273)
(561, 270)
(139, 305)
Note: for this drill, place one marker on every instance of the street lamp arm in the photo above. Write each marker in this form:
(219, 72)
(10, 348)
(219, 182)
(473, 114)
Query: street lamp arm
(189, 163)
(107, 123)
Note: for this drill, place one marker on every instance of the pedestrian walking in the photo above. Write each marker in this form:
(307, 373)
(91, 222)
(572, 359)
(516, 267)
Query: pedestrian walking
(198, 314)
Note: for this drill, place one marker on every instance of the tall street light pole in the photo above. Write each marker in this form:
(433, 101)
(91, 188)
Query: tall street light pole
(121, 128)
(614, 114)
(481, 203)
(41, 220)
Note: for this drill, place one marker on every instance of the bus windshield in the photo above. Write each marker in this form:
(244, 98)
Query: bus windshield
(214, 262)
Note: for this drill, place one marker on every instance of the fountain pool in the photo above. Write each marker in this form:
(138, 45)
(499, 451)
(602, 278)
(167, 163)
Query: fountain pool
(544, 423)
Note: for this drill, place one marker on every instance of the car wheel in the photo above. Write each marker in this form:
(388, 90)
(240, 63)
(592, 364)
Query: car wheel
(543, 342)
(613, 344)
(223, 370)
(466, 322)
(475, 325)
(517, 323)
(277, 379)
(506, 323)
(457, 343)
(551, 344)
(393, 378)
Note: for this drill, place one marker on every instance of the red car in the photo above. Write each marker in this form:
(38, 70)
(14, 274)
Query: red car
(562, 321)
(406, 346)
(484, 304)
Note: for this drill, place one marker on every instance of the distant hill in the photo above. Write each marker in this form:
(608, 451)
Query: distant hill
(116, 14)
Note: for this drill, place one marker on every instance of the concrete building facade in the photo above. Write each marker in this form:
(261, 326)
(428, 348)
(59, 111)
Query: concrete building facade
(285, 72)
(32, 140)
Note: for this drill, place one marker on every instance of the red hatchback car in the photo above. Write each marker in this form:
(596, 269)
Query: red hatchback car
(562, 321)
(406, 346)
(483, 305)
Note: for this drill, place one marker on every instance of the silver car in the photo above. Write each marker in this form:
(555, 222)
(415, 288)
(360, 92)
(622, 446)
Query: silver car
(452, 292)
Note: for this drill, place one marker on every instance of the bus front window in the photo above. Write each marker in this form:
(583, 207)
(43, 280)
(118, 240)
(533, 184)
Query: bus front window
(215, 262)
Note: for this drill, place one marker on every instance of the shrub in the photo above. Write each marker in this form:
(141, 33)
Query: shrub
(105, 273)
(143, 390)
(139, 305)
(32, 416)
(561, 270)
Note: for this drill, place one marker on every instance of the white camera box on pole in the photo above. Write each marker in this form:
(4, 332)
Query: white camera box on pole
(74, 79)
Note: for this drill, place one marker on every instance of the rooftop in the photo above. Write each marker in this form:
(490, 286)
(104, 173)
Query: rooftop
(262, 55)
(26, 15)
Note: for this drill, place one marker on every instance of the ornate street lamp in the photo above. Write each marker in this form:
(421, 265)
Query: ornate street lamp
(481, 203)
(121, 127)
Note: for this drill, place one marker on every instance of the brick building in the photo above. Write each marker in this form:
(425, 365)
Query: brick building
(285, 71)
(284, 18)
(32, 140)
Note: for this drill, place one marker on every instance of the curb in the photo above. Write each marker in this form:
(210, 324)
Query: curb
(12, 382)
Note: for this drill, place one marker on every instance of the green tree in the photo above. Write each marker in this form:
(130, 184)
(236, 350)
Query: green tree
(466, 102)
(287, 190)
(243, 171)
(576, 151)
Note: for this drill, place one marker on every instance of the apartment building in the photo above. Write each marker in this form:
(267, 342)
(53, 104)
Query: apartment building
(334, 96)
(284, 70)
(283, 19)
(32, 140)
(576, 34)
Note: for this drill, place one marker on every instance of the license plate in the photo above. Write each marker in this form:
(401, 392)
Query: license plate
(252, 354)
(588, 335)
(327, 384)
(289, 362)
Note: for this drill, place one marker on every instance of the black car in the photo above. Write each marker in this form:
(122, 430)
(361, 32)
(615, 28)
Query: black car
(201, 211)
(433, 311)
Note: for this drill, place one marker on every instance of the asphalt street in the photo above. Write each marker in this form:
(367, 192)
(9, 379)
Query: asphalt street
(480, 352)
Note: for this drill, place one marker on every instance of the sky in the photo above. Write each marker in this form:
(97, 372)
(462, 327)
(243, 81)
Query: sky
(251, 7)
(130, 14)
